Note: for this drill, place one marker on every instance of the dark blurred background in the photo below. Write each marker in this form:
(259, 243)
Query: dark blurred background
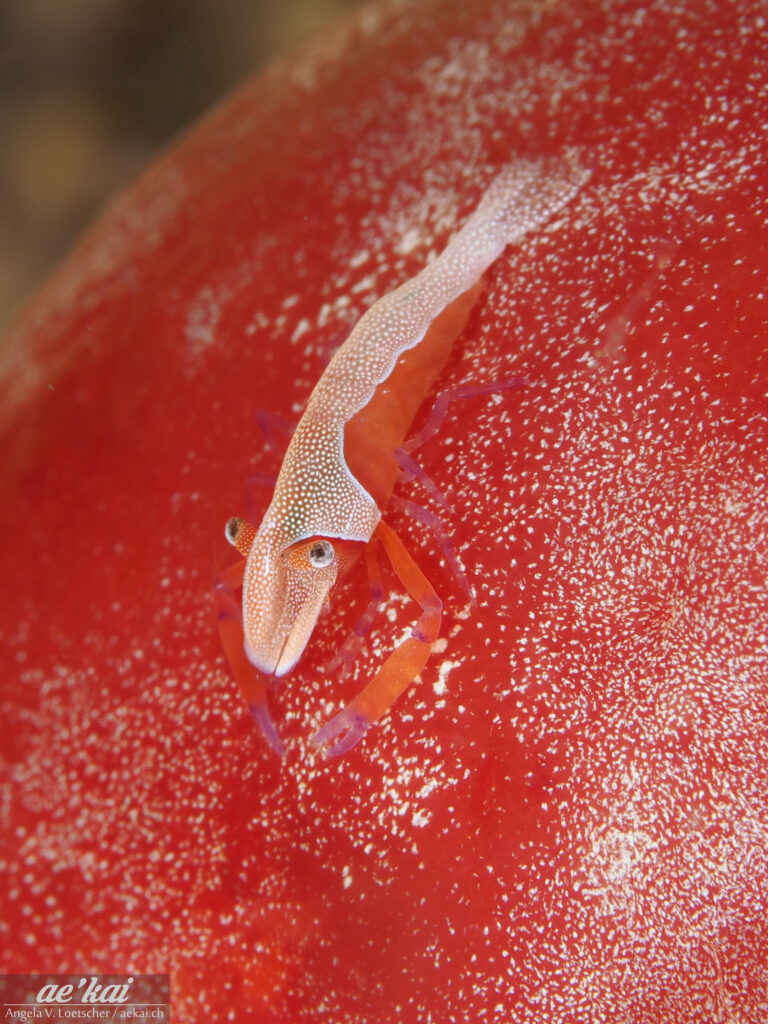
(90, 88)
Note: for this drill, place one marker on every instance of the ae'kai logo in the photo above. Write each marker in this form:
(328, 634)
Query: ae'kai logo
(74, 998)
(94, 992)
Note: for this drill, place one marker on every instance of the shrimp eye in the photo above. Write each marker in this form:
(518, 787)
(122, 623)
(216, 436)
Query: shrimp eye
(240, 534)
(232, 529)
(321, 554)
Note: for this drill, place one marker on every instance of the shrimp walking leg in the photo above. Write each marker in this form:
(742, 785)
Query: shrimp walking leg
(444, 399)
(351, 646)
(402, 666)
(251, 682)
(411, 470)
(435, 524)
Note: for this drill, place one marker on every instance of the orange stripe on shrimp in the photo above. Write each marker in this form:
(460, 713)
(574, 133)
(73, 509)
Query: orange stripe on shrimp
(340, 468)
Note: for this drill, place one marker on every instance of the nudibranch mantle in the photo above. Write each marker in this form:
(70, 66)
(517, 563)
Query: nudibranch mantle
(317, 494)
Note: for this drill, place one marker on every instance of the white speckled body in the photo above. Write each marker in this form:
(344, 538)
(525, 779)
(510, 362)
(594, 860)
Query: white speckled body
(567, 819)
(316, 494)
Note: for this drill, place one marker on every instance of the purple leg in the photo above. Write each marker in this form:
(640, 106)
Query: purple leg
(270, 424)
(254, 508)
(251, 682)
(440, 407)
(351, 646)
(410, 470)
(227, 605)
(435, 524)
(350, 724)
(260, 715)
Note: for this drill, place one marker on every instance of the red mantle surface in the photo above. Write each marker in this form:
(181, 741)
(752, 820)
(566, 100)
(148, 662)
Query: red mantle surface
(565, 821)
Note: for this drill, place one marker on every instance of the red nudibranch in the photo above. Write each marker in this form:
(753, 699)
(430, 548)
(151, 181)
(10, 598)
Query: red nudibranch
(566, 820)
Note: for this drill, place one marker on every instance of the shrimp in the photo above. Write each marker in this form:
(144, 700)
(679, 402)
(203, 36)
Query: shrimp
(340, 467)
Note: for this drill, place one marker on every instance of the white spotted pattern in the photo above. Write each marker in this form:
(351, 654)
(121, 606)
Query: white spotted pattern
(316, 494)
(566, 822)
